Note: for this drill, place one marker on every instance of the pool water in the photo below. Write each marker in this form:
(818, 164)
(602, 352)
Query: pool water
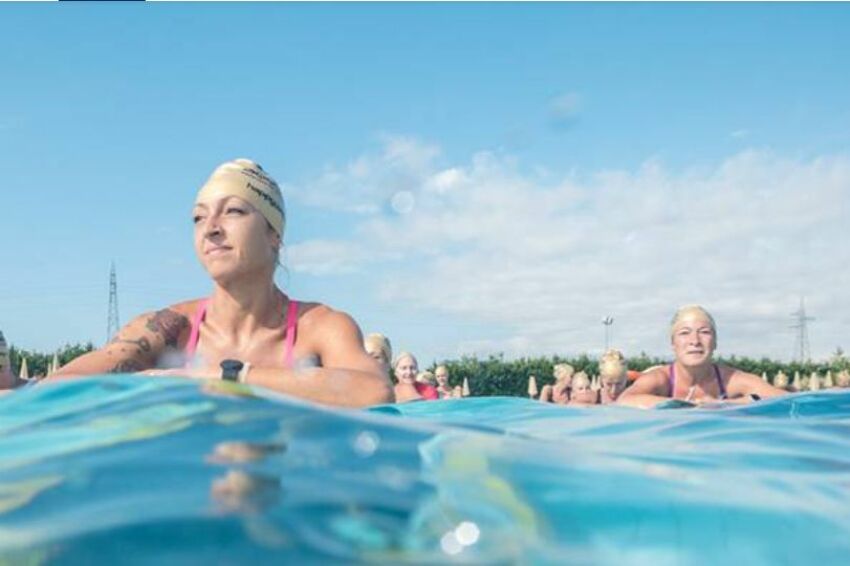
(170, 471)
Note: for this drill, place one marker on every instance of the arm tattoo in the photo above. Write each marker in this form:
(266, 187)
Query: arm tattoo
(127, 366)
(143, 344)
(167, 324)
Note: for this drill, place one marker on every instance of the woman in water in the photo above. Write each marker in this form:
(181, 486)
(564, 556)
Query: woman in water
(248, 330)
(408, 389)
(583, 394)
(694, 376)
(444, 390)
(613, 376)
(378, 346)
(559, 392)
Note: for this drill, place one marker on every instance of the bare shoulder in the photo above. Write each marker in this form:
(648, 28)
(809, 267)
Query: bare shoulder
(652, 381)
(318, 319)
(169, 326)
(740, 382)
(656, 374)
(186, 308)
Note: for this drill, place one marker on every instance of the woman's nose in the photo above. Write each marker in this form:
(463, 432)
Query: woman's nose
(213, 227)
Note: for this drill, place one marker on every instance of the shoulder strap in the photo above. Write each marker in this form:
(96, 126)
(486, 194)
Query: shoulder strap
(291, 326)
(195, 335)
(671, 379)
(720, 381)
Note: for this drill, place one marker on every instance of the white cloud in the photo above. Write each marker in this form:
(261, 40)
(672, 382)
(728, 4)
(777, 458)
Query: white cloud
(545, 260)
(368, 183)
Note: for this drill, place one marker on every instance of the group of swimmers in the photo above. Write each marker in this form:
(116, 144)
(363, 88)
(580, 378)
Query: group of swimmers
(248, 330)
(410, 383)
(693, 376)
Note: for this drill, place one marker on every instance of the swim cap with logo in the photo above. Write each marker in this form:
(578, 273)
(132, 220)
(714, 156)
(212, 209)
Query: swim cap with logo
(245, 179)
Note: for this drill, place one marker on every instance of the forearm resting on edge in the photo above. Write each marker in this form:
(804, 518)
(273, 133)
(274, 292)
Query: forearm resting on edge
(331, 386)
(641, 400)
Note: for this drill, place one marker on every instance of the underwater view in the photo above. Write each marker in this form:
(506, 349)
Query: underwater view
(170, 471)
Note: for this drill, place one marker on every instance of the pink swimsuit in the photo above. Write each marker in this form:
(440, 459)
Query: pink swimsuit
(291, 324)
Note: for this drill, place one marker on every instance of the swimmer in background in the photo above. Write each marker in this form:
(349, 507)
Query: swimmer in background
(583, 394)
(444, 390)
(559, 392)
(407, 388)
(248, 330)
(378, 346)
(613, 376)
(694, 376)
(427, 378)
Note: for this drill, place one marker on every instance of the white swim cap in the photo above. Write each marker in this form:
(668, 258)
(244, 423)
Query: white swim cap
(245, 179)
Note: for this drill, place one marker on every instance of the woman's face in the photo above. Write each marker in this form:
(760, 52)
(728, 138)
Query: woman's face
(442, 375)
(583, 393)
(233, 239)
(693, 341)
(406, 369)
(612, 387)
(377, 354)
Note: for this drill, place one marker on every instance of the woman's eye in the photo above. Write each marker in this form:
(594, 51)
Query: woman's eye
(197, 218)
(234, 210)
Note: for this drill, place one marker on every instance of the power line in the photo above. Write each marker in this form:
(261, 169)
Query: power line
(804, 353)
(112, 323)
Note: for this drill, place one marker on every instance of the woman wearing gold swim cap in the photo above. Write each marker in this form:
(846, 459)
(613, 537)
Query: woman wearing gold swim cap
(694, 376)
(248, 330)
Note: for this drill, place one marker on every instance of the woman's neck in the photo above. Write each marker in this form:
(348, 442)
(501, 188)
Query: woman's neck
(246, 307)
(693, 375)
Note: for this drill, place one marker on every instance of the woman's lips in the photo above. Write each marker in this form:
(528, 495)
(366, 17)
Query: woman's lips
(216, 250)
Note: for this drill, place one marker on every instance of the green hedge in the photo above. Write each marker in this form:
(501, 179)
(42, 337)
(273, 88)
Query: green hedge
(37, 362)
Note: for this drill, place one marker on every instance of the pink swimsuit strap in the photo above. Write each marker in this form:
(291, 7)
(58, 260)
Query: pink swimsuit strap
(291, 330)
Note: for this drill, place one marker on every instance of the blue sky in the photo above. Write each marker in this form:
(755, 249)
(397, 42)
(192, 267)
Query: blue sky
(467, 178)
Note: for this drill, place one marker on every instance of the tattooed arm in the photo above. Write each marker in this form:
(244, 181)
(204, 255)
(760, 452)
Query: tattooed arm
(137, 346)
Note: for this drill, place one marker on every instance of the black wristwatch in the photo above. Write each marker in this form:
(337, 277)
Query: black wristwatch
(230, 369)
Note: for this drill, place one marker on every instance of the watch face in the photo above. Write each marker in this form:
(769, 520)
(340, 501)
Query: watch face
(230, 369)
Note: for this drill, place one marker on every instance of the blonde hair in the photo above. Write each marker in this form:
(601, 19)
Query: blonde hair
(688, 310)
(403, 355)
(380, 342)
(563, 372)
(441, 367)
(581, 379)
(612, 364)
(426, 377)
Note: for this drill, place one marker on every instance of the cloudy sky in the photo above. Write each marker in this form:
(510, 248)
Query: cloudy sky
(467, 179)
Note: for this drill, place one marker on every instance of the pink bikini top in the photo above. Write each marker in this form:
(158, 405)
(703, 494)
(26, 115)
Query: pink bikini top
(291, 323)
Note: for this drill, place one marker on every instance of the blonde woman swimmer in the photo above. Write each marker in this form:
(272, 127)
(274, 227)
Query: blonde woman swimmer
(613, 376)
(406, 368)
(583, 394)
(378, 346)
(559, 392)
(441, 374)
(694, 376)
(248, 329)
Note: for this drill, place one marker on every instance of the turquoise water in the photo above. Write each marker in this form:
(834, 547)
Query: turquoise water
(169, 471)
